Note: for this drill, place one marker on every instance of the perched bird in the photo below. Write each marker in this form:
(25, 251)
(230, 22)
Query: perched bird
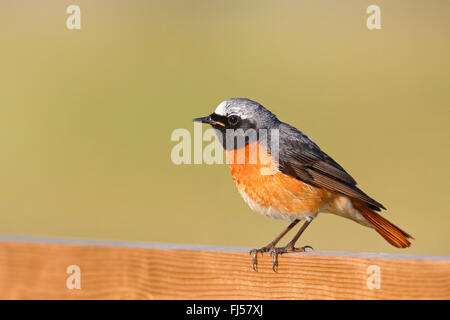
(302, 180)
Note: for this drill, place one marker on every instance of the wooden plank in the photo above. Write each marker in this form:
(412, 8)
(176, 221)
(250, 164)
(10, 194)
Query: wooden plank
(33, 270)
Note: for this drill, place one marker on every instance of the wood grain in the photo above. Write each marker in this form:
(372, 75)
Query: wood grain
(38, 271)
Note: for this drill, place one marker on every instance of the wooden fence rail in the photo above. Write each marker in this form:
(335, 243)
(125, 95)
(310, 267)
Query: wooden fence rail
(52, 269)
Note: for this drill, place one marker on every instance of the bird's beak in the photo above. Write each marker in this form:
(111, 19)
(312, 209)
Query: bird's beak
(206, 119)
(209, 120)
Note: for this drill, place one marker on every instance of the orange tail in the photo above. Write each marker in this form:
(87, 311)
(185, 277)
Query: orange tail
(393, 234)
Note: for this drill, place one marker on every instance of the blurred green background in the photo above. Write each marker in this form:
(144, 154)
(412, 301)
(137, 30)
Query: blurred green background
(86, 115)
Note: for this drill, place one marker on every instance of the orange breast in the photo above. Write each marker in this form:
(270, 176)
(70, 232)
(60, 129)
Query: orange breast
(269, 191)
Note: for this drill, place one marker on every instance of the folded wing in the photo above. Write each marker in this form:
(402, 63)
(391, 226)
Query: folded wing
(302, 159)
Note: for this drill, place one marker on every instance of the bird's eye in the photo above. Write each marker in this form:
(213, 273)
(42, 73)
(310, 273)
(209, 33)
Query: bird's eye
(233, 120)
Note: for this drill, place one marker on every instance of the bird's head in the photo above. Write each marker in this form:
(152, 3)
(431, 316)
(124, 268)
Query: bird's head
(240, 113)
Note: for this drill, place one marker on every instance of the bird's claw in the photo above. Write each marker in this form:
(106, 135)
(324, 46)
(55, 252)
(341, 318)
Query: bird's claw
(279, 251)
(255, 252)
(274, 251)
(307, 247)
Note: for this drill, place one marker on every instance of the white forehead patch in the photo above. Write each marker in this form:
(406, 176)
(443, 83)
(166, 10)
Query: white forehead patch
(221, 109)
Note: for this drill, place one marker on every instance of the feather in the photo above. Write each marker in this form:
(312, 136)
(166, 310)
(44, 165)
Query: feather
(302, 159)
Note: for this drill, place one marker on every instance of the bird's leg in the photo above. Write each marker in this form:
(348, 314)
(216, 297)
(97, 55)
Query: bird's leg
(290, 247)
(271, 245)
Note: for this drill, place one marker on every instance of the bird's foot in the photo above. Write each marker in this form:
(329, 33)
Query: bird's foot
(262, 250)
(280, 250)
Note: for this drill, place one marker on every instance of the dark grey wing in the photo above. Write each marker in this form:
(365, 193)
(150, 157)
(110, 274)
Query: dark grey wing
(302, 159)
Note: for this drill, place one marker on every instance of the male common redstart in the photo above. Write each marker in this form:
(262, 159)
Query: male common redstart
(304, 180)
